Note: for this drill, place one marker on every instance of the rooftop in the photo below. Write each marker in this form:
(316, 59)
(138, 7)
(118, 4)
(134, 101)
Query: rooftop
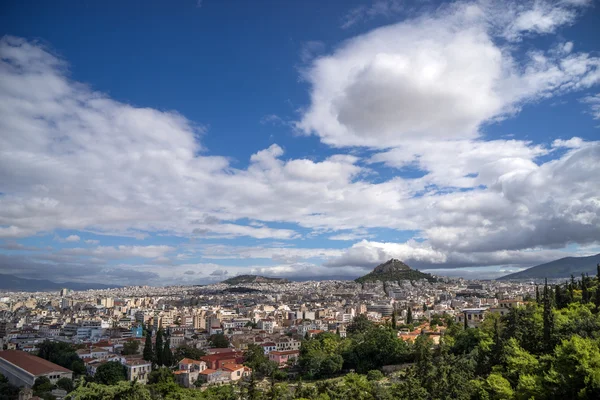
(30, 363)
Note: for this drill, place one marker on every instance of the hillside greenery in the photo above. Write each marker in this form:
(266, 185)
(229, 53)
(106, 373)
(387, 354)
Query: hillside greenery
(394, 271)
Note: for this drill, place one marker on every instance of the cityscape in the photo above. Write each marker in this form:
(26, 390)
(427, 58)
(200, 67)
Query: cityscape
(300, 200)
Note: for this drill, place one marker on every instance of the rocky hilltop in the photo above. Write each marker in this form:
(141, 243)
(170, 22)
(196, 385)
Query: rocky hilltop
(246, 279)
(394, 270)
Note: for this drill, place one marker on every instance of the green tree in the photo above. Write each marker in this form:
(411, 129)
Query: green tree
(498, 387)
(409, 316)
(359, 324)
(63, 354)
(585, 297)
(219, 341)
(131, 347)
(159, 348)
(160, 375)
(548, 317)
(42, 385)
(65, 384)
(374, 375)
(575, 371)
(598, 288)
(110, 373)
(394, 323)
(8, 391)
(148, 350)
(185, 351)
(167, 356)
(121, 391)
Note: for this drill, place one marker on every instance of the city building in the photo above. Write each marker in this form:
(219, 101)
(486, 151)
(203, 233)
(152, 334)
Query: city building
(22, 368)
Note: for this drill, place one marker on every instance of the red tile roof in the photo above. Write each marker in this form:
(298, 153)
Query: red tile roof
(30, 363)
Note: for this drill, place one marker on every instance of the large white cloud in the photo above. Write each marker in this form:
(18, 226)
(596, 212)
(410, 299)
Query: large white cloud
(439, 76)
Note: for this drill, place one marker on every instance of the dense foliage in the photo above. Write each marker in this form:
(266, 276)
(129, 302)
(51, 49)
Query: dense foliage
(63, 354)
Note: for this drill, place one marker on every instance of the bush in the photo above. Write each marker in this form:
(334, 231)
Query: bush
(374, 375)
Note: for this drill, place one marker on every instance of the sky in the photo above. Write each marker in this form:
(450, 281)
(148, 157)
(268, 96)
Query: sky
(173, 143)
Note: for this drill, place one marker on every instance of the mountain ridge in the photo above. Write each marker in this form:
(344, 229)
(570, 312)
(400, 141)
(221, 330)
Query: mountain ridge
(16, 284)
(244, 279)
(561, 268)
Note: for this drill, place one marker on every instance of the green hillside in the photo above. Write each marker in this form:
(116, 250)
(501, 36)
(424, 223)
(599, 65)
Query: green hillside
(394, 270)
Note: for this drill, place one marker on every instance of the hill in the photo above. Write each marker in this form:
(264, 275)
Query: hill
(245, 279)
(16, 284)
(394, 270)
(561, 268)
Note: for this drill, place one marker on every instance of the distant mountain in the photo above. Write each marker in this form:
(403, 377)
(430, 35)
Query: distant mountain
(244, 279)
(16, 284)
(394, 270)
(562, 268)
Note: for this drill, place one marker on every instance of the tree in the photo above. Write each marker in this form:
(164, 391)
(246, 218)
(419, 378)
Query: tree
(359, 324)
(160, 375)
(42, 385)
(537, 294)
(63, 354)
(585, 297)
(65, 384)
(121, 390)
(598, 288)
(8, 391)
(167, 356)
(159, 348)
(148, 350)
(219, 341)
(409, 317)
(394, 323)
(548, 317)
(575, 371)
(110, 373)
(131, 347)
(185, 351)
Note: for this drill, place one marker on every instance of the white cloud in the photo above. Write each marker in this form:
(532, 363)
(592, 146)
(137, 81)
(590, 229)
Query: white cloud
(72, 238)
(594, 103)
(92, 241)
(438, 77)
(72, 158)
(121, 251)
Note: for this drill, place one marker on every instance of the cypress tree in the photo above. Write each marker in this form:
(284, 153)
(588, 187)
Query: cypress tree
(465, 318)
(537, 294)
(394, 320)
(148, 351)
(548, 316)
(598, 288)
(159, 348)
(585, 297)
(167, 353)
(409, 317)
(559, 296)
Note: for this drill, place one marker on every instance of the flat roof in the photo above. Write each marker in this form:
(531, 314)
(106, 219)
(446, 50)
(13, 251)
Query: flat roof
(30, 363)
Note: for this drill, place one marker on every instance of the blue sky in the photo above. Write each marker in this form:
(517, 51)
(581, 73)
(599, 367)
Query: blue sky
(160, 143)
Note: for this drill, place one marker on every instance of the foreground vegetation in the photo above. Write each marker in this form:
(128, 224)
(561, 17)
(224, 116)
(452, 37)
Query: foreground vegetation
(548, 349)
